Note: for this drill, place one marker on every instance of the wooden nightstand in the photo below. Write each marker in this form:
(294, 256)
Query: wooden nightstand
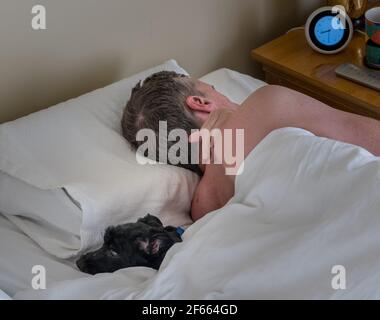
(289, 61)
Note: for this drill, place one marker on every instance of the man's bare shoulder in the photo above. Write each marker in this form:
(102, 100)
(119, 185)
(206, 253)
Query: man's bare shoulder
(257, 116)
(262, 94)
(275, 107)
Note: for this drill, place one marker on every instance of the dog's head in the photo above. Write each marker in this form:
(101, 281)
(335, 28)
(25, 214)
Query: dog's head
(143, 243)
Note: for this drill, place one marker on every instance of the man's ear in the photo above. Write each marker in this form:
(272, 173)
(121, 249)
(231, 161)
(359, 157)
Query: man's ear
(200, 104)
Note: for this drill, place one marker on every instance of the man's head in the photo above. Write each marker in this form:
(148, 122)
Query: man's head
(182, 102)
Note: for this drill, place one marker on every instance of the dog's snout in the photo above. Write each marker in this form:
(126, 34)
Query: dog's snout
(81, 264)
(87, 266)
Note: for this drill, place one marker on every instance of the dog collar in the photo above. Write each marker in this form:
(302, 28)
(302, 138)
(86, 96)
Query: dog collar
(180, 231)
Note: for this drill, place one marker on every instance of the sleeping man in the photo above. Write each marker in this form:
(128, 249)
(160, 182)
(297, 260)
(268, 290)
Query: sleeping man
(191, 104)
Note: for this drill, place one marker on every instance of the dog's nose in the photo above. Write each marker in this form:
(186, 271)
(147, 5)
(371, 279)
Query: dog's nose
(81, 265)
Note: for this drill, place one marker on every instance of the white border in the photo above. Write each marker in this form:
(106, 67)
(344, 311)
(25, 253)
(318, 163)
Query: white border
(311, 43)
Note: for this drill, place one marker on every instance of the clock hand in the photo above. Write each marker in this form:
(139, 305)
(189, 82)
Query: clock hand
(326, 31)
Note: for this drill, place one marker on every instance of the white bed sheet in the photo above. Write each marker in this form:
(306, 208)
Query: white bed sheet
(303, 205)
(19, 252)
(49, 217)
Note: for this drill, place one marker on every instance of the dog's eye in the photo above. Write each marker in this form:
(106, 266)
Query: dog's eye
(114, 253)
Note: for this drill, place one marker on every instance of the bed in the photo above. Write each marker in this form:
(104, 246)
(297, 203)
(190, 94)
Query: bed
(303, 206)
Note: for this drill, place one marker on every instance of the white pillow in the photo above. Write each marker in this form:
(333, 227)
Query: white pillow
(78, 145)
(235, 85)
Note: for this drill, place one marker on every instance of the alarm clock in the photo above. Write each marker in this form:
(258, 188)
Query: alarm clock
(329, 30)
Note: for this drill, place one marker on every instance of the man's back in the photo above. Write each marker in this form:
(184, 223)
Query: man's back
(270, 108)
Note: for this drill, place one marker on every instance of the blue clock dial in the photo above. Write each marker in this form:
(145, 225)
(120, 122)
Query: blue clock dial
(326, 33)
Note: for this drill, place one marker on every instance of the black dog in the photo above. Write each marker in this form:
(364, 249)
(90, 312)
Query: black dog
(143, 243)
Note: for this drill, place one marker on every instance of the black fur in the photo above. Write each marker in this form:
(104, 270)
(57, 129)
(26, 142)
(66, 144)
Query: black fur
(143, 243)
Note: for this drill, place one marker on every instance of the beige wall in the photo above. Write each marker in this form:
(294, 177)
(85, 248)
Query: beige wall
(91, 43)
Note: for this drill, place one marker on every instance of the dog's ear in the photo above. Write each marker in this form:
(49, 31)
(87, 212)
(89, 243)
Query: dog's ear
(174, 235)
(109, 235)
(151, 220)
(170, 229)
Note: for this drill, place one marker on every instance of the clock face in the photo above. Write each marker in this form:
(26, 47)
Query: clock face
(326, 33)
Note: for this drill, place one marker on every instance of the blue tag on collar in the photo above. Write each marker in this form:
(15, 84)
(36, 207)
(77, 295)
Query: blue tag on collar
(180, 231)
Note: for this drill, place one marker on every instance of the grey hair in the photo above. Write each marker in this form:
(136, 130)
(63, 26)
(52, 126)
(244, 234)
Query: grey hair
(161, 97)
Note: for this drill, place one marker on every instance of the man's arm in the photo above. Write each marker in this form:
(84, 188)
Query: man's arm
(213, 192)
(202, 203)
(205, 200)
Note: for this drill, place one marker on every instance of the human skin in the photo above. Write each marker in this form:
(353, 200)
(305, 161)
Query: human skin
(268, 109)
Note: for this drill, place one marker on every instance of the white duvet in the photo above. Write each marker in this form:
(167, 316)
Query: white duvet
(303, 205)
